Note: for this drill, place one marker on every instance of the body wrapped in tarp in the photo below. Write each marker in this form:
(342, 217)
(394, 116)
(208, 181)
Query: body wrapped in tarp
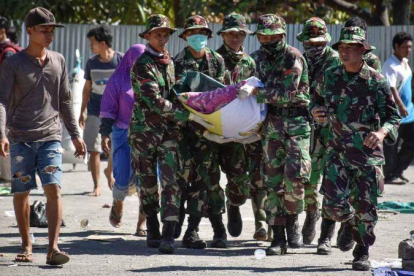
(236, 119)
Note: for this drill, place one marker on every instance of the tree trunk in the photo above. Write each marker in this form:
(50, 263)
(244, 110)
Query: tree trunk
(179, 19)
(401, 12)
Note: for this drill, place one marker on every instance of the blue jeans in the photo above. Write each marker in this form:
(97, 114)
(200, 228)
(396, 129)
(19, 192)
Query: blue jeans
(26, 158)
(125, 180)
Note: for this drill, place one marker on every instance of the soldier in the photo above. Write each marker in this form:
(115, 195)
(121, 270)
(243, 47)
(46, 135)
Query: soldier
(354, 100)
(344, 238)
(154, 133)
(286, 131)
(319, 57)
(370, 58)
(237, 159)
(205, 197)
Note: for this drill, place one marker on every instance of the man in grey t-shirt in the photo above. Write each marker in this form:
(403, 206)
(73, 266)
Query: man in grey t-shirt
(99, 69)
(34, 93)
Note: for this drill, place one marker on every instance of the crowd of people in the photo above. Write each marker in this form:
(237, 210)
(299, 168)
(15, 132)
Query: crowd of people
(332, 112)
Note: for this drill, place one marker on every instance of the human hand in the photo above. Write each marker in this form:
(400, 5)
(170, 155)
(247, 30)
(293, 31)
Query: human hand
(80, 147)
(4, 147)
(82, 119)
(374, 139)
(245, 91)
(402, 110)
(106, 144)
(217, 138)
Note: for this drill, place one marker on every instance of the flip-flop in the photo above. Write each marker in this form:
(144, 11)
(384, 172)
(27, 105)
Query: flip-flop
(141, 233)
(58, 258)
(24, 258)
(114, 220)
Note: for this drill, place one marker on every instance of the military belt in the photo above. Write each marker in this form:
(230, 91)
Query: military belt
(288, 111)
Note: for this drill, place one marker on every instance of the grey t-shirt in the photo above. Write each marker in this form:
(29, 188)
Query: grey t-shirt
(33, 97)
(99, 73)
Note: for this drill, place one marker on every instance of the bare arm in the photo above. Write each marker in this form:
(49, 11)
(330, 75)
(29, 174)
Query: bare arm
(401, 107)
(87, 89)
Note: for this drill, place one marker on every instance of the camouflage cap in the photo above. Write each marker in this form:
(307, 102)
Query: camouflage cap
(157, 21)
(270, 24)
(234, 22)
(314, 30)
(353, 35)
(196, 22)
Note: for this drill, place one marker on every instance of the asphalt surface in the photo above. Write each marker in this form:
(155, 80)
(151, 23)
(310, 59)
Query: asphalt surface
(130, 256)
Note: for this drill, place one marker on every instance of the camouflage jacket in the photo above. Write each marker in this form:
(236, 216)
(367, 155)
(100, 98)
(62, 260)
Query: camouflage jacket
(212, 64)
(237, 68)
(330, 59)
(373, 61)
(356, 105)
(156, 108)
(285, 77)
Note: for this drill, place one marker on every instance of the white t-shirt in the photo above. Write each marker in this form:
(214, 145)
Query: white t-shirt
(398, 74)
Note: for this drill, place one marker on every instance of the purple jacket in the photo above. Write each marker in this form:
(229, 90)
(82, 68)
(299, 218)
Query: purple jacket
(118, 98)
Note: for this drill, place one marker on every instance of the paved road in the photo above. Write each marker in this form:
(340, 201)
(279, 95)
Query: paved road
(132, 257)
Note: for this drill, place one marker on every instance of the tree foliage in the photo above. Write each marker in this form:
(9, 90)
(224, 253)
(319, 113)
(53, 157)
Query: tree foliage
(376, 12)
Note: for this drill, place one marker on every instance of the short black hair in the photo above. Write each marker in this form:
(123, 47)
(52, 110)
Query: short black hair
(357, 22)
(13, 35)
(4, 23)
(400, 38)
(101, 33)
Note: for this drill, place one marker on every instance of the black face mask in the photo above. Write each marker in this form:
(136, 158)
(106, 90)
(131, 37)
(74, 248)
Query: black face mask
(314, 51)
(274, 47)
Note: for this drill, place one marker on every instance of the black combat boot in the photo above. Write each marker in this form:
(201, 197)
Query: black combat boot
(167, 244)
(327, 232)
(308, 229)
(179, 226)
(191, 238)
(292, 230)
(278, 245)
(344, 241)
(361, 256)
(234, 221)
(220, 236)
(153, 232)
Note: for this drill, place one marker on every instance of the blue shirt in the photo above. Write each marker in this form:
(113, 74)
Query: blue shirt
(99, 73)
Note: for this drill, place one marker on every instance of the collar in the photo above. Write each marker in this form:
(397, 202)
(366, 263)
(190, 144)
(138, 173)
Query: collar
(153, 52)
(364, 72)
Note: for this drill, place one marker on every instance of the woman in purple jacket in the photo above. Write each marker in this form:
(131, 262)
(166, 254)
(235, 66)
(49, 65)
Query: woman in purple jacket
(116, 110)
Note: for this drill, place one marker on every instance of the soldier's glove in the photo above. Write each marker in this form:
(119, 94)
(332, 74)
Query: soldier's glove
(245, 91)
(200, 120)
(217, 138)
(251, 139)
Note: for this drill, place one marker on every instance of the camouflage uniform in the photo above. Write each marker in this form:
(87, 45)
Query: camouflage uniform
(239, 66)
(204, 196)
(286, 130)
(315, 30)
(373, 61)
(356, 105)
(154, 133)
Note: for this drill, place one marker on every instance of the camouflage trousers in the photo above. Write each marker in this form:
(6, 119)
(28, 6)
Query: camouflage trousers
(253, 153)
(350, 194)
(186, 169)
(148, 150)
(258, 193)
(286, 166)
(317, 152)
(233, 163)
(205, 197)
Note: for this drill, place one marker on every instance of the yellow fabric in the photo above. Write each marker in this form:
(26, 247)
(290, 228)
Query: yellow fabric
(213, 118)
